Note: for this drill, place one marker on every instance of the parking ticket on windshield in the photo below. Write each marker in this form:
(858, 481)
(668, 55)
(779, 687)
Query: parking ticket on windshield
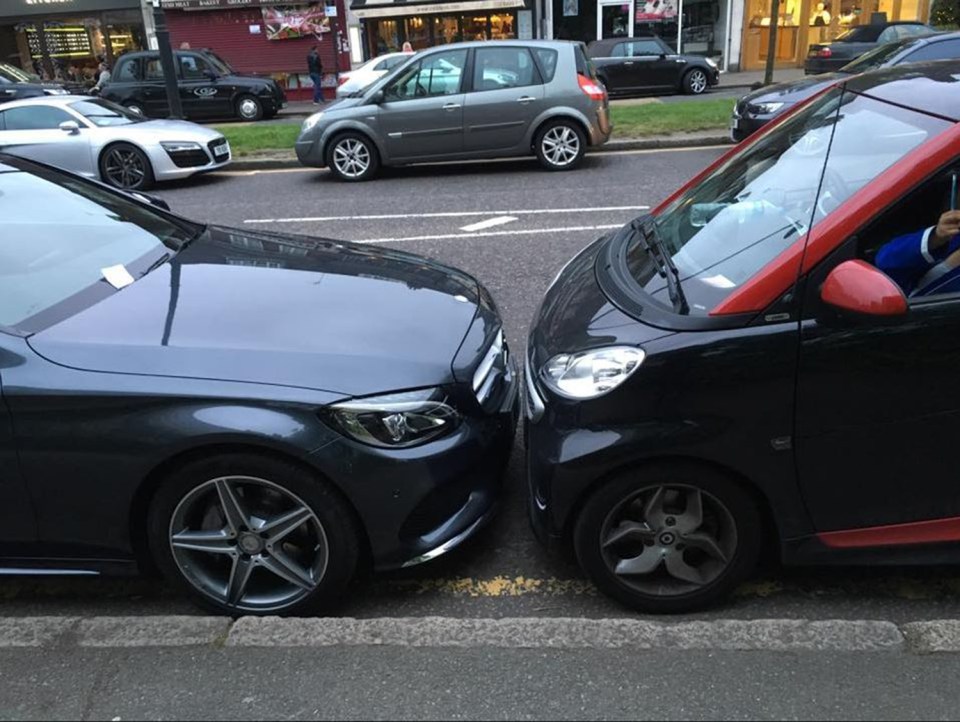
(117, 276)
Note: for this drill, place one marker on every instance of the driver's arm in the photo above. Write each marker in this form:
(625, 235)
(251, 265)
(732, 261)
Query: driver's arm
(907, 258)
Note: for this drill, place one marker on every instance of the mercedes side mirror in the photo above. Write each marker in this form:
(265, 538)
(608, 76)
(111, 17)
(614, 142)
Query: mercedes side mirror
(70, 126)
(377, 97)
(857, 290)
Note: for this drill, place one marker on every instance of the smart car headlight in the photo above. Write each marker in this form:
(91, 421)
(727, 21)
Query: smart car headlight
(589, 374)
(310, 122)
(395, 420)
(767, 108)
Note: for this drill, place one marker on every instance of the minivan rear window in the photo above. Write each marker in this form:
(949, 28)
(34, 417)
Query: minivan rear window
(584, 64)
(547, 60)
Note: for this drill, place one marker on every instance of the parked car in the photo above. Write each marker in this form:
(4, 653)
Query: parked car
(354, 81)
(628, 66)
(16, 84)
(185, 395)
(854, 42)
(519, 98)
(758, 108)
(209, 87)
(100, 139)
(757, 382)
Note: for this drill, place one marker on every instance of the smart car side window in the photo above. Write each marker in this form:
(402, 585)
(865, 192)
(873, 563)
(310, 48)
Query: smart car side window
(436, 75)
(128, 70)
(916, 241)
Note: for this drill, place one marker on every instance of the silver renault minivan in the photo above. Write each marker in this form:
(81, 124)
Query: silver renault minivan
(490, 99)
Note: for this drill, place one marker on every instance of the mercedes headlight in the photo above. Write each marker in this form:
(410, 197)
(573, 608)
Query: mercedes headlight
(767, 108)
(589, 374)
(179, 146)
(310, 122)
(395, 420)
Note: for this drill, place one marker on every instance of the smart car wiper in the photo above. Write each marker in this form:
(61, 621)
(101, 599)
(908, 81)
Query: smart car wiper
(649, 236)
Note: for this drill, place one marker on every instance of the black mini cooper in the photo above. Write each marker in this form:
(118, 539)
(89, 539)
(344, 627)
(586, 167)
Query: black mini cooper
(209, 87)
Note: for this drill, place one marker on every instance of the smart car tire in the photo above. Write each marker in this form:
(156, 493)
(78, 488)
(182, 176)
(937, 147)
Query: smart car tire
(352, 157)
(668, 538)
(560, 145)
(249, 534)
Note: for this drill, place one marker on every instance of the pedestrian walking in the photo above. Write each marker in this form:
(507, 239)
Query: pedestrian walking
(103, 77)
(315, 68)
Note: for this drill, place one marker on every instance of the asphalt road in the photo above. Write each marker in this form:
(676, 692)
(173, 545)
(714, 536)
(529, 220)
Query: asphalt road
(430, 210)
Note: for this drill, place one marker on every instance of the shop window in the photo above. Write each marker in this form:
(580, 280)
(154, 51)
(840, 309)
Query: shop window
(548, 63)
(502, 27)
(37, 117)
(446, 30)
(387, 37)
(474, 27)
(440, 74)
(496, 68)
(909, 10)
(418, 32)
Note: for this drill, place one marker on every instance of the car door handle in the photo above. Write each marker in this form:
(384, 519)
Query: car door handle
(628, 62)
(526, 99)
(451, 106)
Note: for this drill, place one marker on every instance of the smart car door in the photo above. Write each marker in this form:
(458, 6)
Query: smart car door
(650, 65)
(878, 397)
(34, 132)
(506, 96)
(421, 115)
(17, 520)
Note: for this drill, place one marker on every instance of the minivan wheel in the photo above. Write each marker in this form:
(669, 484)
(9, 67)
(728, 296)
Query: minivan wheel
(249, 108)
(245, 534)
(352, 157)
(668, 539)
(560, 145)
(695, 82)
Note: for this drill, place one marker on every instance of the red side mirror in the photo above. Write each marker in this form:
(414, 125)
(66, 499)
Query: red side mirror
(859, 287)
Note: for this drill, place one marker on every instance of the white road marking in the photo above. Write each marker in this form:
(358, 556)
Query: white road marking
(446, 214)
(489, 223)
(527, 232)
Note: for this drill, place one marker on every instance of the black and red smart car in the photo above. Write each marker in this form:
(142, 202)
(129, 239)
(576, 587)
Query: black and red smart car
(769, 359)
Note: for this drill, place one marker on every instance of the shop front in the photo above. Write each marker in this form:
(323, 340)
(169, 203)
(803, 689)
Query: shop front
(803, 22)
(386, 26)
(699, 27)
(264, 37)
(65, 40)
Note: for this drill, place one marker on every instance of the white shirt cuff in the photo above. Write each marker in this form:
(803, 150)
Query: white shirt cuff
(925, 245)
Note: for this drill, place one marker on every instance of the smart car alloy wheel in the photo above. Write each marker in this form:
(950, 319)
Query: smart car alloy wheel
(695, 82)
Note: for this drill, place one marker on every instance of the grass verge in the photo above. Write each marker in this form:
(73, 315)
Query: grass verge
(629, 121)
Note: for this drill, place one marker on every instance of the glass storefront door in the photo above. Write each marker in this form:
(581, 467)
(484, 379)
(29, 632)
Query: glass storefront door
(792, 33)
(614, 19)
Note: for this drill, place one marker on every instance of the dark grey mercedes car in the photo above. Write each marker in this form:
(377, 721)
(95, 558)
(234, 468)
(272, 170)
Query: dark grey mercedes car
(259, 415)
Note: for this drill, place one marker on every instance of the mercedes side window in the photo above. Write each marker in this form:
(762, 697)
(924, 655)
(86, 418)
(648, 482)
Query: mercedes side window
(504, 67)
(128, 70)
(619, 50)
(943, 50)
(436, 75)
(36, 117)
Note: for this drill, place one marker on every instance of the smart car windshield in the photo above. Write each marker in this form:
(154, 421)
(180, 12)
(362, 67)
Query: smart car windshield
(105, 114)
(726, 228)
(61, 233)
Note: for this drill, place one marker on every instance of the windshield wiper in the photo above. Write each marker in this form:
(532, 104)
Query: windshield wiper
(156, 264)
(649, 236)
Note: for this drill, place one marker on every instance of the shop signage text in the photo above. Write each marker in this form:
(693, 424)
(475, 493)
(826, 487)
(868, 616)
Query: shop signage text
(207, 4)
(380, 11)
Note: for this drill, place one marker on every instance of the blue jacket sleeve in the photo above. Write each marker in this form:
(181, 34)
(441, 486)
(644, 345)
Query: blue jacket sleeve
(902, 260)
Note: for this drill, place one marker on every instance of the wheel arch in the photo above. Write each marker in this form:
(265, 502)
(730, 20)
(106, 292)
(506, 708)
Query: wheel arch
(153, 480)
(561, 113)
(770, 530)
